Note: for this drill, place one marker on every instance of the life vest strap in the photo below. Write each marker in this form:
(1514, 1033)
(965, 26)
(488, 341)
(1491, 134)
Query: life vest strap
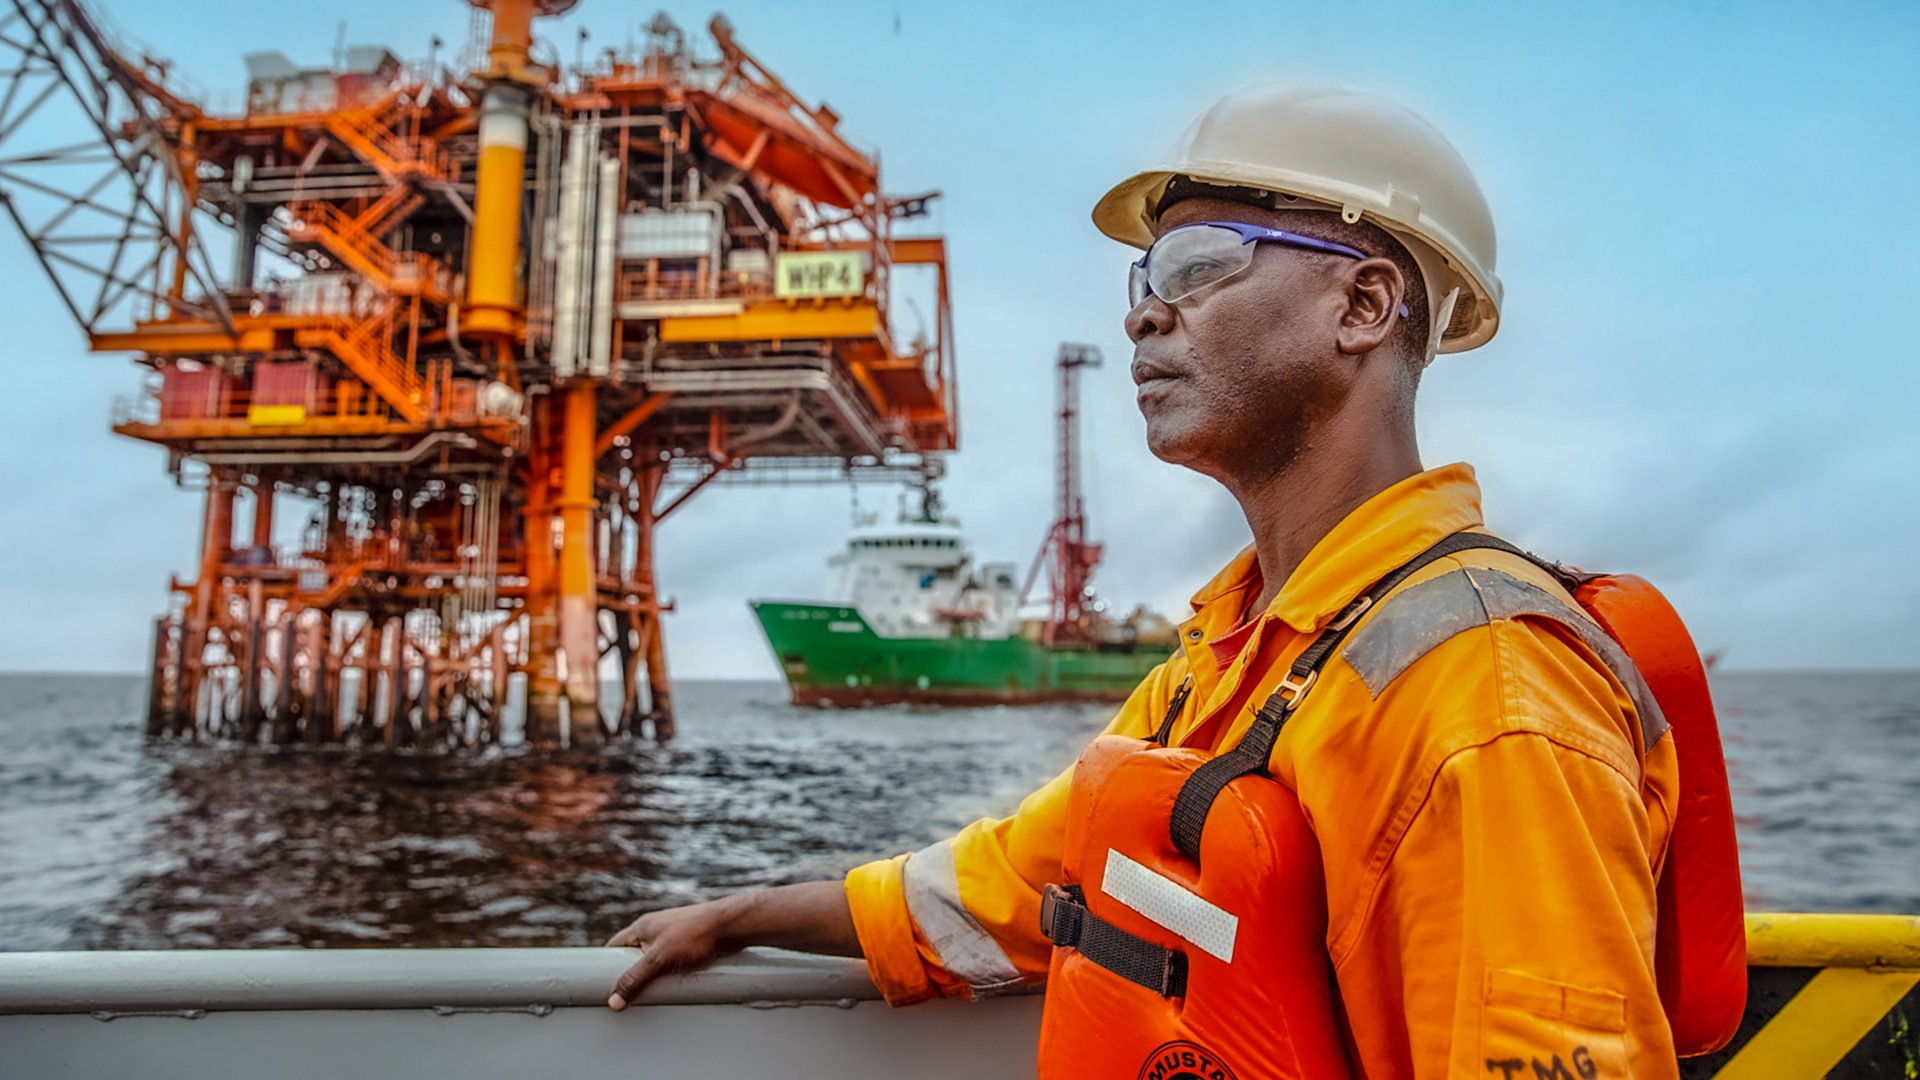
(1164, 736)
(1250, 755)
(1066, 921)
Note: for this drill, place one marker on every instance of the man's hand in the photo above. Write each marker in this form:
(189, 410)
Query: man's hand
(671, 942)
(810, 918)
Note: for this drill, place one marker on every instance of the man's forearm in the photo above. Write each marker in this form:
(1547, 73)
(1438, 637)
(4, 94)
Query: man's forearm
(811, 917)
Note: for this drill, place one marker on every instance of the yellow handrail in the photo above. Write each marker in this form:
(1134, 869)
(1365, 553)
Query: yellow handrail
(1776, 939)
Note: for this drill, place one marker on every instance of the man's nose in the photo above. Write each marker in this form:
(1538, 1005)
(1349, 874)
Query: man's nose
(1150, 316)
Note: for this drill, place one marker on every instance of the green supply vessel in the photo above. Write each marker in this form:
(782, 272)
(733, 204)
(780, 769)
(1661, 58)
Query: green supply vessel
(832, 657)
(914, 619)
(920, 622)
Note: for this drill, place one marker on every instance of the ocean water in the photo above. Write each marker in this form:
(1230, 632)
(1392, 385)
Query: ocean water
(107, 843)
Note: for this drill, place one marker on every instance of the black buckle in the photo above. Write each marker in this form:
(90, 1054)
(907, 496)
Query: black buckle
(1060, 916)
(1173, 977)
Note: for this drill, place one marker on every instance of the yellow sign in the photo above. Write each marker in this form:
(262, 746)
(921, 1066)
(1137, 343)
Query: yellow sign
(818, 273)
(276, 415)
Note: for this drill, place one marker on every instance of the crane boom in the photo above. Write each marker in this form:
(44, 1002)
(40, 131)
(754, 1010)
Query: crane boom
(1065, 552)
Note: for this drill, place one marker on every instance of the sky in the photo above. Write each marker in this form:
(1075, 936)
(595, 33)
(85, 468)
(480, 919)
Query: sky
(1706, 370)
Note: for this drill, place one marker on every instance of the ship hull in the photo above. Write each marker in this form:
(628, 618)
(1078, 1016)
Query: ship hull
(832, 657)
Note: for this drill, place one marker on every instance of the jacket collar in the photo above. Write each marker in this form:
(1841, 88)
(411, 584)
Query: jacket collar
(1382, 534)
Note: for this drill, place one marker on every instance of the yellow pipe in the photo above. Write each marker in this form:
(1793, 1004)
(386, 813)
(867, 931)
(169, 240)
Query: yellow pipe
(493, 262)
(1875, 941)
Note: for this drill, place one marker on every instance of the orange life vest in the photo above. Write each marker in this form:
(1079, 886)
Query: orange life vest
(1157, 982)
(1190, 934)
(1700, 942)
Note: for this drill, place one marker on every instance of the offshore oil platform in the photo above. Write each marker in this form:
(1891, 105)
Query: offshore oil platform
(489, 323)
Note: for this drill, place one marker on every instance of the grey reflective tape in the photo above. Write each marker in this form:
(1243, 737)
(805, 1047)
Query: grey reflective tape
(966, 950)
(1171, 905)
(1411, 624)
(1420, 619)
(1507, 597)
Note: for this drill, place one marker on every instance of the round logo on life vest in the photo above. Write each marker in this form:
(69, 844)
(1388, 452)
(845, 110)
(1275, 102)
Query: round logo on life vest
(1183, 1060)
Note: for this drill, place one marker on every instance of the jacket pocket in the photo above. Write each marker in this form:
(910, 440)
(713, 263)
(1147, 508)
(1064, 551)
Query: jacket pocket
(1537, 1029)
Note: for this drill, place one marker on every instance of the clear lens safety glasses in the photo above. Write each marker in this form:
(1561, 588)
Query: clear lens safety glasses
(1187, 259)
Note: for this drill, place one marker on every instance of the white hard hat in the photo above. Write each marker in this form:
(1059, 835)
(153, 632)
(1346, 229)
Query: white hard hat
(1355, 153)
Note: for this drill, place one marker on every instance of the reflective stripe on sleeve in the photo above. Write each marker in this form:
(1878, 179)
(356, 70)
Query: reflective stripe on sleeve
(966, 950)
(1424, 617)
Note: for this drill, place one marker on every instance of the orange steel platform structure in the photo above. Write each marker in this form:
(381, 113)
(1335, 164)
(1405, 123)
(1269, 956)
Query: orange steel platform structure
(489, 328)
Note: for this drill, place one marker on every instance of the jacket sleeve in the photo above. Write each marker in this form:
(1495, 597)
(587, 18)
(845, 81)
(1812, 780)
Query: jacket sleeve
(1514, 921)
(962, 918)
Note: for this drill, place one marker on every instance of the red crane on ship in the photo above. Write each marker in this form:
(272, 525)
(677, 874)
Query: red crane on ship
(1065, 552)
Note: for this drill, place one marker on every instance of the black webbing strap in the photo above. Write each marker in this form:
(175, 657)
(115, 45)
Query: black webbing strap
(1250, 755)
(1067, 922)
(1165, 734)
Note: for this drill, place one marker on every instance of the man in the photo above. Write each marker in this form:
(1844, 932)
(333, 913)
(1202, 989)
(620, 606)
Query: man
(1489, 804)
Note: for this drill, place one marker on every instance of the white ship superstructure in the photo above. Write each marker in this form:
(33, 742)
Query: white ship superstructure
(917, 579)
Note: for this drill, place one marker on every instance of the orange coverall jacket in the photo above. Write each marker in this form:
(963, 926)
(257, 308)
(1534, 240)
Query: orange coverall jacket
(1492, 823)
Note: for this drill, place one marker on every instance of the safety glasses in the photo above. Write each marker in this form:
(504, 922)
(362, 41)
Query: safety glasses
(1187, 259)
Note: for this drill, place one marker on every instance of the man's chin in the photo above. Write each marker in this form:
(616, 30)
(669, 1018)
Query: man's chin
(1171, 446)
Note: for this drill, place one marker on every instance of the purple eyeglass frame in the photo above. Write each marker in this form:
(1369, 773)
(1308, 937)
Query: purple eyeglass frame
(1253, 233)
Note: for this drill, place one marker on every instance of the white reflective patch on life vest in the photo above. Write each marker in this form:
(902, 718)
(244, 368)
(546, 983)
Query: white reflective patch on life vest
(1171, 905)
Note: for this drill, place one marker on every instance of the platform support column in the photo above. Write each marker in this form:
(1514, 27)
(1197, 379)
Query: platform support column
(160, 685)
(579, 600)
(263, 513)
(251, 707)
(396, 662)
(626, 721)
(216, 537)
(652, 633)
(497, 695)
(285, 733)
(323, 721)
(544, 692)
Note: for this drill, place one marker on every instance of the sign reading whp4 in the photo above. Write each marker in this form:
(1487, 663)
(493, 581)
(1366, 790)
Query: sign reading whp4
(806, 275)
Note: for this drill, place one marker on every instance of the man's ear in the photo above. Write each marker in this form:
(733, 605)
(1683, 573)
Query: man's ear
(1375, 289)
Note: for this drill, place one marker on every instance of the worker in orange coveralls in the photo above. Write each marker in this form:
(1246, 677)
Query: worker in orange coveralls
(1489, 805)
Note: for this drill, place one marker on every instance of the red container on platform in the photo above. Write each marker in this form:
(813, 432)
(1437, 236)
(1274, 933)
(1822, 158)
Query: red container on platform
(290, 382)
(199, 393)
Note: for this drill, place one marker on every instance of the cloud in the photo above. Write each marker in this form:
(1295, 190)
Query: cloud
(1704, 373)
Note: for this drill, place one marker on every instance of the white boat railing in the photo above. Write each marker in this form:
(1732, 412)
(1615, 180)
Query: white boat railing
(1828, 995)
(527, 1014)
